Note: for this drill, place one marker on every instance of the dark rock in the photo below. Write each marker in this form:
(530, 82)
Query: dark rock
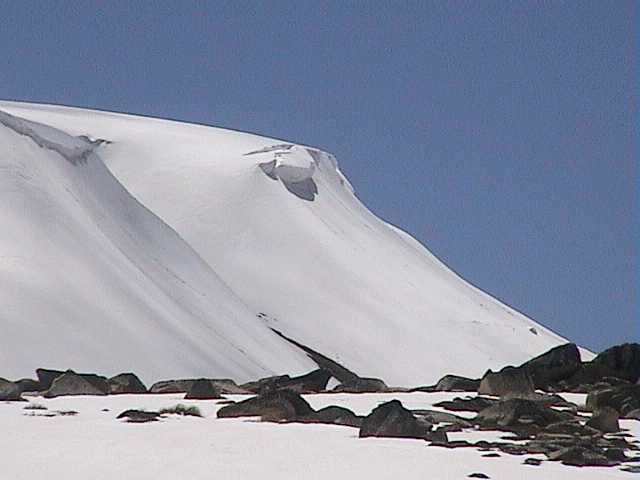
(633, 414)
(469, 404)
(518, 413)
(623, 398)
(571, 427)
(226, 386)
(605, 419)
(139, 416)
(349, 381)
(275, 405)
(333, 415)
(28, 385)
(508, 381)
(126, 383)
(264, 384)
(616, 454)
(391, 419)
(491, 455)
(454, 383)
(312, 382)
(10, 391)
(71, 383)
(557, 364)
(623, 359)
(46, 377)
(580, 457)
(452, 444)
(362, 385)
(435, 416)
(172, 386)
(532, 461)
(478, 475)
(588, 376)
(203, 389)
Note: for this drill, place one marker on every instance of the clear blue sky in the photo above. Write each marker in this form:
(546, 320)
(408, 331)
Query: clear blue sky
(503, 135)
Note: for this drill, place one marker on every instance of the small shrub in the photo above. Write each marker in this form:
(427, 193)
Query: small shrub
(34, 406)
(182, 410)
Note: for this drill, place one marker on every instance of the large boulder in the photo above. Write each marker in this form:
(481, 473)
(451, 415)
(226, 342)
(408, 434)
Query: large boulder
(391, 419)
(516, 413)
(46, 376)
(28, 385)
(312, 382)
(468, 404)
(623, 398)
(333, 415)
(590, 376)
(623, 359)
(126, 383)
(71, 383)
(605, 419)
(362, 385)
(10, 391)
(555, 365)
(508, 381)
(273, 405)
(579, 456)
(225, 385)
(455, 383)
(203, 389)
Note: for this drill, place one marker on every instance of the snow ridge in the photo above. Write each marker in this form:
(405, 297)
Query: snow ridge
(75, 150)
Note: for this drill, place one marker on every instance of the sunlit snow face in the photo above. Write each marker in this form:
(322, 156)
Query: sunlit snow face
(293, 165)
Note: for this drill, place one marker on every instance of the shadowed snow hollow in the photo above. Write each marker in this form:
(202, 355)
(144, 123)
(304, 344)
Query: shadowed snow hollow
(281, 226)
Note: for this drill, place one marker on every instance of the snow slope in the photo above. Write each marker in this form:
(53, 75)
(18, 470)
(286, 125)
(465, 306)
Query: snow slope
(91, 279)
(282, 227)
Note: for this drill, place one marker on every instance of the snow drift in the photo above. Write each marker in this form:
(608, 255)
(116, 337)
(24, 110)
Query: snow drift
(290, 244)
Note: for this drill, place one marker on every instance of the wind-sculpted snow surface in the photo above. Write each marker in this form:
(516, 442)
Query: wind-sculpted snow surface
(322, 268)
(91, 279)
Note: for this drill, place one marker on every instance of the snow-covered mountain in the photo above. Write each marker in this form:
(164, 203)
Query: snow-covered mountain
(90, 278)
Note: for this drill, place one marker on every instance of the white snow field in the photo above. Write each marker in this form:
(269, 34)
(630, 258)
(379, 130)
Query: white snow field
(90, 279)
(95, 445)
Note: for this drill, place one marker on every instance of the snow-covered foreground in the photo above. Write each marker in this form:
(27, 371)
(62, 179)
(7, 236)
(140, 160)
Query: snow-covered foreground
(94, 444)
(270, 234)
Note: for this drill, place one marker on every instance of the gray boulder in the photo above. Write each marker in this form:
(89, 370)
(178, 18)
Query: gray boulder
(46, 377)
(455, 383)
(555, 365)
(508, 381)
(623, 359)
(467, 404)
(203, 389)
(623, 398)
(333, 415)
(274, 405)
(362, 385)
(579, 456)
(10, 391)
(517, 413)
(391, 419)
(605, 419)
(126, 383)
(312, 382)
(71, 383)
(28, 385)
(225, 385)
